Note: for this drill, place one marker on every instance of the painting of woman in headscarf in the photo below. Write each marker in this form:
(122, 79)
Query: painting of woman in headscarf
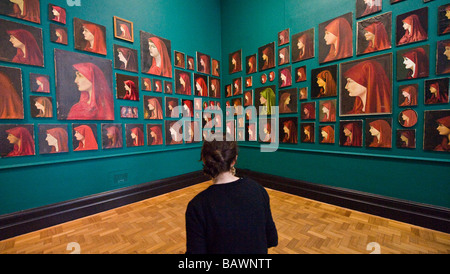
(366, 86)
(39, 83)
(21, 44)
(437, 130)
(112, 136)
(336, 39)
(125, 58)
(288, 130)
(266, 57)
(183, 82)
(89, 36)
(215, 67)
(283, 56)
(250, 63)
(288, 101)
(327, 111)
(444, 19)
(325, 82)
(179, 59)
(53, 139)
(237, 86)
(58, 34)
(11, 93)
(203, 63)
(308, 111)
(16, 140)
(123, 29)
(350, 133)
(367, 7)
(412, 27)
(172, 110)
(413, 63)
(214, 87)
(135, 135)
(28, 10)
(436, 91)
(174, 132)
(153, 108)
(146, 84)
(200, 85)
(156, 56)
(235, 62)
(406, 138)
(443, 57)
(154, 134)
(327, 134)
(379, 132)
(285, 77)
(57, 14)
(303, 45)
(127, 87)
(283, 37)
(300, 74)
(83, 87)
(41, 107)
(407, 95)
(307, 132)
(265, 99)
(85, 137)
(374, 34)
(408, 118)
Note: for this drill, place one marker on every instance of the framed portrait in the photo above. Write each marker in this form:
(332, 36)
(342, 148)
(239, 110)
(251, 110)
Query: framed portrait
(407, 95)
(251, 132)
(405, 138)
(378, 132)
(215, 67)
(123, 29)
(157, 85)
(154, 134)
(58, 34)
(284, 56)
(125, 58)
(39, 83)
(302, 45)
(214, 87)
(413, 63)
(190, 63)
(180, 59)
(327, 111)
(173, 132)
(129, 112)
(146, 84)
(288, 130)
(412, 27)
(237, 86)
(300, 74)
(268, 131)
(168, 87)
(374, 34)
(408, 118)
(201, 85)
(437, 130)
(368, 7)
(303, 93)
(11, 93)
(112, 136)
(28, 10)
(237, 104)
(351, 133)
(228, 91)
(156, 55)
(336, 38)
(235, 62)
(265, 99)
(444, 19)
(307, 132)
(56, 14)
(17, 36)
(203, 63)
(436, 91)
(17, 140)
(366, 86)
(324, 82)
(127, 87)
(308, 111)
(248, 82)
(271, 76)
(183, 82)
(41, 106)
(89, 36)
(84, 137)
(285, 77)
(288, 101)
(187, 107)
(250, 64)
(53, 139)
(248, 98)
(326, 134)
(153, 107)
(443, 56)
(83, 86)
(266, 57)
(171, 106)
(283, 37)
(134, 135)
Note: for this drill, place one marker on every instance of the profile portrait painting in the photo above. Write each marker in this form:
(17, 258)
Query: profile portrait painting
(308, 111)
(284, 56)
(41, 106)
(412, 27)
(437, 130)
(183, 82)
(157, 85)
(326, 134)
(444, 19)
(408, 95)
(173, 131)
(214, 87)
(168, 87)
(200, 85)
(336, 39)
(125, 58)
(413, 63)
(266, 57)
(378, 132)
(436, 91)
(171, 107)
(288, 101)
(39, 83)
(215, 67)
(203, 63)
(250, 64)
(366, 86)
(11, 93)
(300, 74)
(123, 29)
(83, 86)
(134, 135)
(307, 132)
(156, 55)
(283, 37)
(327, 111)
(53, 139)
(190, 63)
(367, 7)
(406, 138)
(154, 134)
(265, 99)
(237, 86)
(408, 118)
(351, 133)
(285, 77)
(112, 136)
(324, 82)
(90, 37)
(17, 140)
(443, 57)
(180, 59)
(84, 137)
(22, 44)
(302, 45)
(58, 34)
(153, 108)
(127, 87)
(235, 62)
(57, 14)
(146, 84)
(28, 10)
(374, 34)
(288, 130)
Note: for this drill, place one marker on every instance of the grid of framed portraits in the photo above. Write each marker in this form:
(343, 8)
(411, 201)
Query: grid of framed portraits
(362, 95)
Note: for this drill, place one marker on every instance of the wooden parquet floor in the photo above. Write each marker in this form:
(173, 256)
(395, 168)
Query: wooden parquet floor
(157, 226)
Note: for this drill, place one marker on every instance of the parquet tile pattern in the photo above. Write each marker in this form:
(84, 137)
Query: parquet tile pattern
(157, 226)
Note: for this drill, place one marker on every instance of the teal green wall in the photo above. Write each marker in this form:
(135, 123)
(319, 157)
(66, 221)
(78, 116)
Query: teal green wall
(415, 175)
(33, 181)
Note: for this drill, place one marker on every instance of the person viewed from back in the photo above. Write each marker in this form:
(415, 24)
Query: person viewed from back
(233, 215)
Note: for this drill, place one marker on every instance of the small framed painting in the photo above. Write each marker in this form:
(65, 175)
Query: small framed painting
(123, 29)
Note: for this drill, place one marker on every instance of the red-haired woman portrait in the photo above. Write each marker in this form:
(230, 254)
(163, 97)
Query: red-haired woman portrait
(85, 137)
(288, 130)
(11, 95)
(436, 91)
(327, 133)
(408, 118)
(444, 19)
(131, 92)
(266, 57)
(406, 138)
(437, 130)
(285, 77)
(20, 140)
(367, 7)
(327, 111)
(374, 34)
(407, 95)
(53, 139)
(41, 107)
(308, 111)
(325, 82)
(412, 27)
(283, 37)
(413, 63)
(183, 82)
(214, 87)
(336, 39)
(125, 59)
(203, 63)
(283, 56)
(235, 62)
(57, 14)
(251, 64)
(200, 86)
(28, 52)
(89, 36)
(153, 108)
(307, 132)
(303, 45)
(351, 133)
(135, 135)
(154, 133)
(28, 10)
(161, 63)
(112, 136)
(379, 133)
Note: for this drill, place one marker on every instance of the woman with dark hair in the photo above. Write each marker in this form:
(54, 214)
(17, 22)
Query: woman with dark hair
(233, 215)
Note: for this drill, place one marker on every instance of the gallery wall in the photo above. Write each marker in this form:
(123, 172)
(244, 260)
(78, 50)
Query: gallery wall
(414, 174)
(45, 177)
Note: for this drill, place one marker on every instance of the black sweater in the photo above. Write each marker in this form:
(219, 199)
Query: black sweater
(232, 218)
